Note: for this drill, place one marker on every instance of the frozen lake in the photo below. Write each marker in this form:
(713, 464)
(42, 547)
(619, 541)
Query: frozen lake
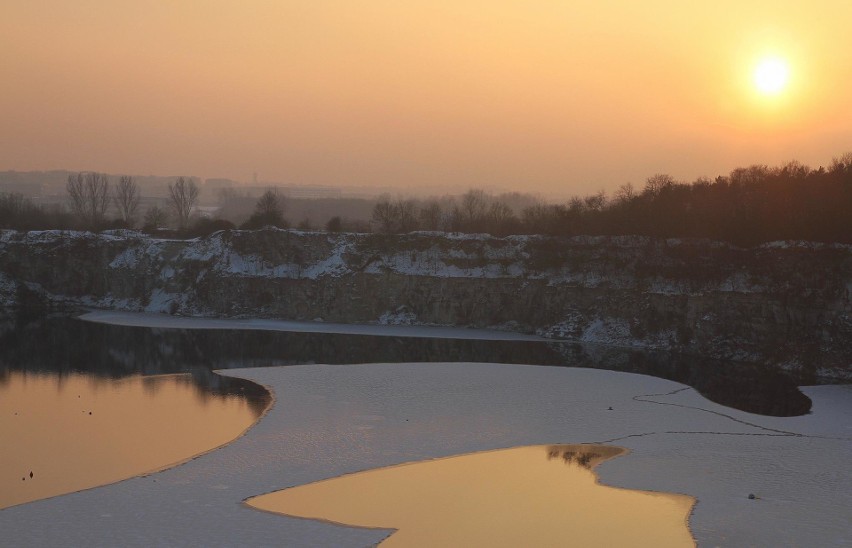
(330, 420)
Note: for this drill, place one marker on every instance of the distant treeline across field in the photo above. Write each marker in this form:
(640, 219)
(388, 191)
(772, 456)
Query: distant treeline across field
(749, 206)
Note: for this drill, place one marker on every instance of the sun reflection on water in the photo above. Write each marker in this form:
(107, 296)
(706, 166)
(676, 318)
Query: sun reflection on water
(525, 496)
(64, 433)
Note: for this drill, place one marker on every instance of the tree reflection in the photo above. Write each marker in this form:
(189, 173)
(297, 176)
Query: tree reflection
(61, 344)
(584, 456)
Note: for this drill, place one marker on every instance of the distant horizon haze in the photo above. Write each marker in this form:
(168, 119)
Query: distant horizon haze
(423, 96)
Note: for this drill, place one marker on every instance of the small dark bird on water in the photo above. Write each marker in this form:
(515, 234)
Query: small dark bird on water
(609, 409)
(31, 474)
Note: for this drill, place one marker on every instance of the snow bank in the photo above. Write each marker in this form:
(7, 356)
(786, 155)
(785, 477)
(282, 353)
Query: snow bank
(400, 316)
(392, 324)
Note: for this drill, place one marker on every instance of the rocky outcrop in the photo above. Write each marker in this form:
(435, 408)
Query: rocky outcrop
(784, 303)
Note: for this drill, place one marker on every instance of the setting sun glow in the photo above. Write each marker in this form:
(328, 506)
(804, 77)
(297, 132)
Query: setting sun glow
(771, 76)
(432, 96)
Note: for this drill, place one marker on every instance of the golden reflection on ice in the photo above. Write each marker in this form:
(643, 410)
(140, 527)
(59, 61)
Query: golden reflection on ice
(74, 432)
(526, 496)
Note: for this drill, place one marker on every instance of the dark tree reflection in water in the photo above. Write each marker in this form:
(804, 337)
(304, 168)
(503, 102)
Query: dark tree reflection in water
(584, 456)
(61, 344)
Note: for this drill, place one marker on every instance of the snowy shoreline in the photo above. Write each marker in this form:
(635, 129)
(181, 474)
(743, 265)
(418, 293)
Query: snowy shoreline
(155, 320)
(331, 420)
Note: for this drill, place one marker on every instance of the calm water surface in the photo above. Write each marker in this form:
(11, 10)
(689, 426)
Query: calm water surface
(526, 496)
(64, 433)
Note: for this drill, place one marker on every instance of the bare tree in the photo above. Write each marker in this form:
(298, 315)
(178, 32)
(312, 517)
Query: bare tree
(750, 175)
(384, 214)
(576, 205)
(430, 215)
(395, 217)
(126, 199)
(89, 194)
(270, 203)
(625, 193)
(536, 215)
(544, 218)
(155, 218)
(184, 195)
(841, 164)
(797, 170)
(76, 188)
(595, 202)
(269, 211)
(473, 205)
(406, 212)
(500, 218)
(500, 213)
(657, 183)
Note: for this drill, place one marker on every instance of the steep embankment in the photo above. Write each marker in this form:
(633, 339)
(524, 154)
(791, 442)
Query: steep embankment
(786, 304)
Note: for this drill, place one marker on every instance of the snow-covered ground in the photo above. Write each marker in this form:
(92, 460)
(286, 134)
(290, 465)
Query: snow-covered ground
(386, 329)
(330, 420)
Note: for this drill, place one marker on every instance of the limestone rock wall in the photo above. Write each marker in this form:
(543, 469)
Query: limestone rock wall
(784, 303)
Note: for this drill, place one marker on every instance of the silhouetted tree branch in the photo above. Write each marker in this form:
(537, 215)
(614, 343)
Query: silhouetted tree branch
(126, 199)
(184, 195)
(269, 211)
(89, 193)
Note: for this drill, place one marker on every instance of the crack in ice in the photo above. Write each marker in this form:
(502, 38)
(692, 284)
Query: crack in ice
(770, 432)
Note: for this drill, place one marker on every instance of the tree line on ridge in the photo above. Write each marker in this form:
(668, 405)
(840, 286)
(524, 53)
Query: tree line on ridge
(748, 206)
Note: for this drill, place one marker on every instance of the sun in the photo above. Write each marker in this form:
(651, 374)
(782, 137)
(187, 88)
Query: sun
(771, 76)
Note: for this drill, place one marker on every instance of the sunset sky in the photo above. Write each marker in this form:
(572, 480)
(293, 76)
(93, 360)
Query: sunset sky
(545, 96)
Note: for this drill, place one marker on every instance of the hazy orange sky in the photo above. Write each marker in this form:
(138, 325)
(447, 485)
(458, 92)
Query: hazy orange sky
(547, 96)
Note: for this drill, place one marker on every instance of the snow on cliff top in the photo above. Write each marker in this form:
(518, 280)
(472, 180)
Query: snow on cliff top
(248, 254)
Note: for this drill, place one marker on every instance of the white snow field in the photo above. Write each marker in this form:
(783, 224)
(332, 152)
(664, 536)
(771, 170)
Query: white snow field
(331, 420)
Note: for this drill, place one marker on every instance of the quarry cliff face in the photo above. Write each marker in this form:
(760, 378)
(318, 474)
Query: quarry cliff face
(788, 304)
